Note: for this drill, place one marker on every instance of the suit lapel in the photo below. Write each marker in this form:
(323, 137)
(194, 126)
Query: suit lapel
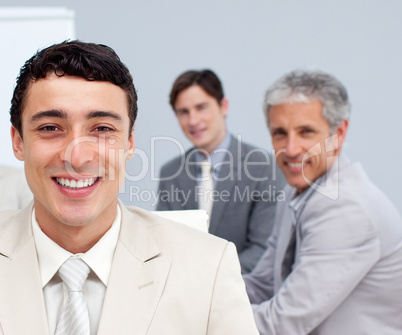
(136, 281)
(20, 281)
(187, 181)
(286, 232)
(290, 222)
(228, 172)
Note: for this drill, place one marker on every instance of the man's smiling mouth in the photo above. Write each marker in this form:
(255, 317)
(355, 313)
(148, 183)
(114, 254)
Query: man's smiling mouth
(294, 165)
(76, 184)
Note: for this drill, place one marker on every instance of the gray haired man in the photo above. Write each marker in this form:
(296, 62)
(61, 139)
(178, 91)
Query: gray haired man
(334, 260)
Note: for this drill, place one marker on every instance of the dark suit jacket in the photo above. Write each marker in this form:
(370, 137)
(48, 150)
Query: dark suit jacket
(244, 210)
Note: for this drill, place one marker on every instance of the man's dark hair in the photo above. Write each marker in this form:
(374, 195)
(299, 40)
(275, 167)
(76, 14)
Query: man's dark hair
(93, 62)
(206, 79)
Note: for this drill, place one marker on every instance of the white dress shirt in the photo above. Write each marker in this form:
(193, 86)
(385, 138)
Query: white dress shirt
(216, 157)
(99, 259)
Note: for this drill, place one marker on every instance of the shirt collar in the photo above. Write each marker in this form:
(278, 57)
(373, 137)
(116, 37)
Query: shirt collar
(99, 258)
(300, 199)
(218, 155)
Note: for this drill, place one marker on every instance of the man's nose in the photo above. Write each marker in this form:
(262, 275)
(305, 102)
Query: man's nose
(80, 150)
(293, 146)
(193, 118)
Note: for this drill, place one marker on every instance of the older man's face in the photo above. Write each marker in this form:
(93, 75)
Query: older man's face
(302, 141)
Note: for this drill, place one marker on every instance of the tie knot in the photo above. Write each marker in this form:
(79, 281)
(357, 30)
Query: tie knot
(74, 272)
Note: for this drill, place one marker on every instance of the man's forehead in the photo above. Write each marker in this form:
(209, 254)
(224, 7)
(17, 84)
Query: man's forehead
(54, 96)
(297, 112)
(295, 107)
(72, 85)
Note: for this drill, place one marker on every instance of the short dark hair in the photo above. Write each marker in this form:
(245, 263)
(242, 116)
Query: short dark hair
(206, 79)
(93, 62)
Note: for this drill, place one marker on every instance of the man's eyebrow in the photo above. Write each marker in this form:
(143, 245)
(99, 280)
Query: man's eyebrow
(98, 114)
(181, 110)
(306, 126)
(272, 128)
(50, 113)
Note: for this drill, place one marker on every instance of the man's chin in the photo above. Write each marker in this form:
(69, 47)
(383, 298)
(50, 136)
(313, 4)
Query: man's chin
(197, 142)
(300, 185)
(75, 216)
(76, 221)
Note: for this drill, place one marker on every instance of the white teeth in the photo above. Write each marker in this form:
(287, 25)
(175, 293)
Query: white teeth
(75, 184)
(294, 165)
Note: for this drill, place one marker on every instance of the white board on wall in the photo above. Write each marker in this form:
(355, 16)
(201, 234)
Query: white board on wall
(24, 30)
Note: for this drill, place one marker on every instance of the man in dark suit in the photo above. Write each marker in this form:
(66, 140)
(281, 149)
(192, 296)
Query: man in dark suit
(245, 181)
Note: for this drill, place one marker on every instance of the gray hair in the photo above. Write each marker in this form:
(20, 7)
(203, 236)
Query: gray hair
(309, 86)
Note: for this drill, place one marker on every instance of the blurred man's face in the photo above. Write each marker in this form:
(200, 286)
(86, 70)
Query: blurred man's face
(201, 117)
(75, 144)
(302, 141)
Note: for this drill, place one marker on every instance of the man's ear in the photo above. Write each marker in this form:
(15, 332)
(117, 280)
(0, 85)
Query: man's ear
(334, 143)
(224, 106)
(131, 144)
(18, 144)
(341, 132)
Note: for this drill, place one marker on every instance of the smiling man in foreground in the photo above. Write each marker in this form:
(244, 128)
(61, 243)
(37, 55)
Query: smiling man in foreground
(77, 261)
(334, 261)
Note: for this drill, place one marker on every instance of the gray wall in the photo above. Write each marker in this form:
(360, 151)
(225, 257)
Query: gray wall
(249, 44)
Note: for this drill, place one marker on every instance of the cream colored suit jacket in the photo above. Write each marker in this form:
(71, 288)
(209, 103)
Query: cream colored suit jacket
(346, 274)
(14, 190)
(166, 279)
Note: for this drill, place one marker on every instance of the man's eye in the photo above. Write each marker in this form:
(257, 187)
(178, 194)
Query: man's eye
(307, 131)
(278, 133)
(49, 128)
(104, 129)
(181, 112)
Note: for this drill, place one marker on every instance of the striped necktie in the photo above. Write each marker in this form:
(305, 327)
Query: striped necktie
(74, 319)
(206, 184)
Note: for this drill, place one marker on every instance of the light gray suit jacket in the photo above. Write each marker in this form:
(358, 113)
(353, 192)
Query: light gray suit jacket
(244, 214)
(14, 191)
(347, 272)
(165, 278)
